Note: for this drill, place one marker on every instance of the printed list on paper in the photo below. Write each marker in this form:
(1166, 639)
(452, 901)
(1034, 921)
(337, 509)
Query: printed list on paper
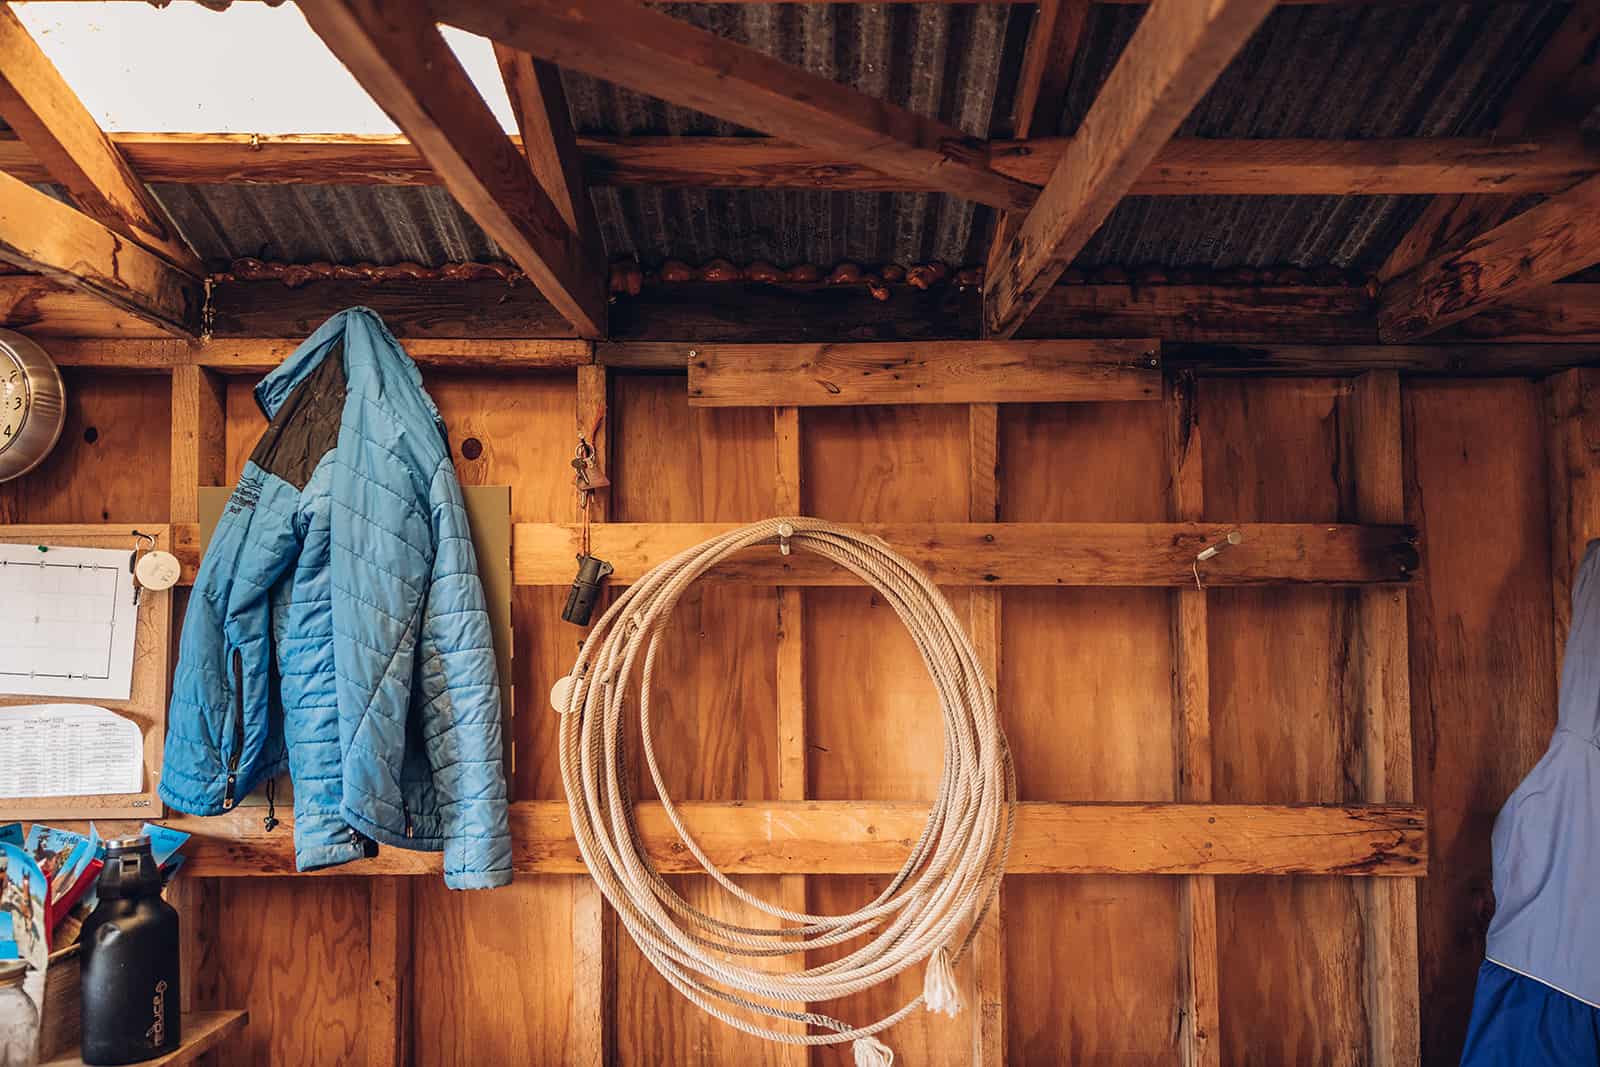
(68, 750)
(67, 622)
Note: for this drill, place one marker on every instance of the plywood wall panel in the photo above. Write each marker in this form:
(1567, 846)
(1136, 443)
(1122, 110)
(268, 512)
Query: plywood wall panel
(494, 970)
(872, 711)
(243, 424)
(717, 720)
(492, 973)
(1483, 668)
(1290, 989)
(295, 953)
(1086, 693)
(111, 464)
(715, 705)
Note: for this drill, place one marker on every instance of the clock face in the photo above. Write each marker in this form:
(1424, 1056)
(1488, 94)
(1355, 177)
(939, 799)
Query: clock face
(14, 400)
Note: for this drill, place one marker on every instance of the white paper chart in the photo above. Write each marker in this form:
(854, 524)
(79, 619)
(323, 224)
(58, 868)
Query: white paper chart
(68, 750)
(67, 620)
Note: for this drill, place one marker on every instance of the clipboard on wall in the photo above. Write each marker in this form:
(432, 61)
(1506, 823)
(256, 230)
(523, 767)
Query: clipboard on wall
(146, 705)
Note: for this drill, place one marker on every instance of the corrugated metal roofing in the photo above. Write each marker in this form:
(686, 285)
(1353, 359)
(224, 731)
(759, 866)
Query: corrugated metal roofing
(1324, 71)
(1425, 69)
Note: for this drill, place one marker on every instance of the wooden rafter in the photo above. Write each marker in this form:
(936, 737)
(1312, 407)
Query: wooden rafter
(1539, 246)
(1552, 94)
(41, 234)
(650, 52)
(544, 124)
(398, 55)
(1042, 86)
(37, 102)
(1176, 53)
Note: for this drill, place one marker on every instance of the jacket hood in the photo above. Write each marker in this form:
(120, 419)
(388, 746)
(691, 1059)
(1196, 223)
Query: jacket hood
(357, 332)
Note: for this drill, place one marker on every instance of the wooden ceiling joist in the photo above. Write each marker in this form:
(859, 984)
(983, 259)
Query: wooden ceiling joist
(1190, 166)
(398, 55)
(74, 152)
(650, 52)
(1176, 53)
(41, 234)
(1542, 245)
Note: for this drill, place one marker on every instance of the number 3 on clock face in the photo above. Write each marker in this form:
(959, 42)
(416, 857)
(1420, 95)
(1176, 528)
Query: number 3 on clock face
(32, 405)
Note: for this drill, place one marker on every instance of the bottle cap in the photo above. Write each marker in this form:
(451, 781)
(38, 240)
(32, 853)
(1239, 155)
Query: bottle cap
(122, 844)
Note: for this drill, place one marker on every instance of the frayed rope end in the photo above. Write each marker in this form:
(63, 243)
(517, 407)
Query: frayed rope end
(939, 990)
(870, 1052)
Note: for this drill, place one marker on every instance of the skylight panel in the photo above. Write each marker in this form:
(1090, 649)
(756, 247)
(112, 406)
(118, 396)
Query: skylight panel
(250, 69)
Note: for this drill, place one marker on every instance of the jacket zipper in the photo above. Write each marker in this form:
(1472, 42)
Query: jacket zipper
(405, 809)
(238, 728)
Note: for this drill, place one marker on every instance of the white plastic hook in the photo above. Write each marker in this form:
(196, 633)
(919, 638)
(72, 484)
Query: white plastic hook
(1210, 551)
(785, 531)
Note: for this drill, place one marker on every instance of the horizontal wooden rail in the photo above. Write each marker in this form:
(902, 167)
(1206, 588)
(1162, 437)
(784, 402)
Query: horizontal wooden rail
(987, 554)
(258, 355)
(1186, 166)
(928, 372)
(873, 837)
(1017, 553)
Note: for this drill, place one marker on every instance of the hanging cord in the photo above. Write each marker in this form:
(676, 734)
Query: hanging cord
(929, 912)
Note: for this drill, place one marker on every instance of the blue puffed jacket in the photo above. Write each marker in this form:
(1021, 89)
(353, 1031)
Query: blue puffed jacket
(337, 628)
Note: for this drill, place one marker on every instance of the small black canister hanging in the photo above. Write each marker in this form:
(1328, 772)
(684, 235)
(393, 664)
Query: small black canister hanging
(130, 961)
(588, 476)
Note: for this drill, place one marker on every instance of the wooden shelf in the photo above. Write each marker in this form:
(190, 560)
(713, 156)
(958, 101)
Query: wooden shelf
(202, 1030)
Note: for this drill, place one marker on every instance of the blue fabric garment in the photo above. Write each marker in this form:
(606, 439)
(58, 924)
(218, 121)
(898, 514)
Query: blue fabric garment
(1520, 1022)
(337, 628)
(1547, 837)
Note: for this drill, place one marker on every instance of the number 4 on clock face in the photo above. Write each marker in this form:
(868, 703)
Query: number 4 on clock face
(12, 411)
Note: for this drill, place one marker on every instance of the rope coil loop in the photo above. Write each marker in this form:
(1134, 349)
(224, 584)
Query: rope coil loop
(930, 911)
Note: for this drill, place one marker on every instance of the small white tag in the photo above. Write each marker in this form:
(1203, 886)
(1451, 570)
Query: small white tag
(157, 570)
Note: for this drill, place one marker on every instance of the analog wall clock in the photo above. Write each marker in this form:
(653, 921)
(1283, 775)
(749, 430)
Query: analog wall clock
(32, 405)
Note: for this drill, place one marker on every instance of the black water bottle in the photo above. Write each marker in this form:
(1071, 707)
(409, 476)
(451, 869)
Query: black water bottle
(130, 961)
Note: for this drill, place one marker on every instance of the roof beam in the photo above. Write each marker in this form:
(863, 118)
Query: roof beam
(1042, 87)
(544, 123)
(40, 234)
(1539, 246)
(1186, 166)
(1549, 95)
(398, 55)
(649, 52)
(37, 102)
(1176, 53)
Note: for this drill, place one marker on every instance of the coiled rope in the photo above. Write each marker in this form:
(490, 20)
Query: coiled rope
(929, 912)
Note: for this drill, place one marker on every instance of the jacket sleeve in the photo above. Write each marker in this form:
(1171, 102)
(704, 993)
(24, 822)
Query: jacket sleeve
(461, 725)
(219, 718)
